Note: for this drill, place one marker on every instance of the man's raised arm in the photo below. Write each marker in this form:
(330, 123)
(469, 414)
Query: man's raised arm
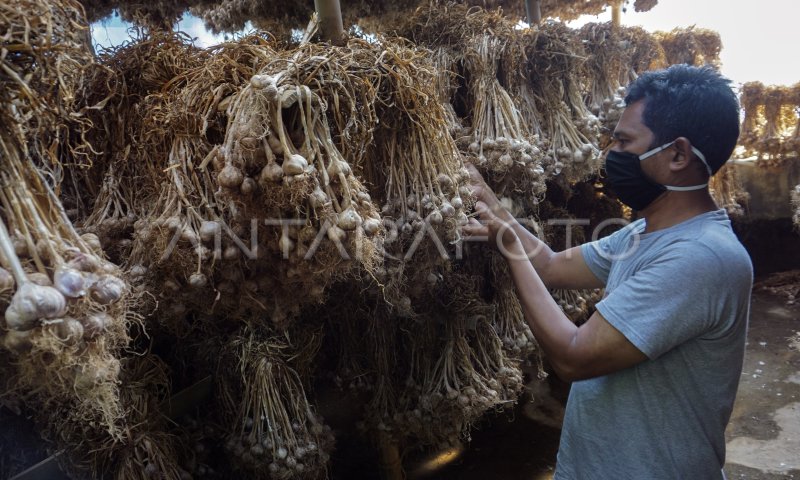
(563, 270)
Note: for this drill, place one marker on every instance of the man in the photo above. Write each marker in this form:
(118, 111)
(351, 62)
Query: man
(656, 367)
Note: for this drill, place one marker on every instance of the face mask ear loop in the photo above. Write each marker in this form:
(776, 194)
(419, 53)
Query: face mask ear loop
(654, 151)
(702, 159)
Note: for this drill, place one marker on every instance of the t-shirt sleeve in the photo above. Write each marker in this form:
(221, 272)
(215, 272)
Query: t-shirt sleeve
(600, 254)
(668, 301)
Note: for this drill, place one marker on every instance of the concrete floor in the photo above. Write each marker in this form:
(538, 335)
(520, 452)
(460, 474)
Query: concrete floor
(764, 433)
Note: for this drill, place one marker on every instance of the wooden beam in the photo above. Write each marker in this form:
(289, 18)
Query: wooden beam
(330, 21)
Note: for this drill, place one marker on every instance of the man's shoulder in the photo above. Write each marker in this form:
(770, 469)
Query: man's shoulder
(720, 253)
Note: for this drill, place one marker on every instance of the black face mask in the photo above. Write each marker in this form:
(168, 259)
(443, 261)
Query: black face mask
(632, 186)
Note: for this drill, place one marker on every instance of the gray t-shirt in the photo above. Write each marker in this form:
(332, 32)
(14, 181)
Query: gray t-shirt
(682, 296)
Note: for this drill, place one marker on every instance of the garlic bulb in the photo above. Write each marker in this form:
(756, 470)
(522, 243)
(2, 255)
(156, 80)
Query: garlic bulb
(444, 180)
(198, 280)
(338, 166)
(230, 177)
(348, 220)
(336, 234)
(248, 186)
(69, 281)
(107, 289)
(209, 231)
(33, 302)
(20, 247)
(364, 198)
(93, 242)
(137, 271)
(294, 165)
(261, 81)
(249, 142)
(447, 210)
(84, 263)
(372, 226)
(95, 324)
(318, 198)
(272, 172)
(68, 330)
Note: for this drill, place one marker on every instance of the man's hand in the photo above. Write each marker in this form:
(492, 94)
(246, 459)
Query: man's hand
(483, 193)
(498, 232)
(494, 222)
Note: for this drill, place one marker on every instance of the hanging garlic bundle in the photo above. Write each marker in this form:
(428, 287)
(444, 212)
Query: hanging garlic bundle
(771, 136)
(479, 53)
(69, 313)
(577, 303)
(692, 46)
(390, 397)
(751, 99)
(615, 57)
(279, 162)
(421, 181)
(796, 206)
(437, 375)
(500, 141)
(509, 320)
(67, 320)
(168, 252)
(279, 132)
(727, 192)
(273, 209)
(572, 129)
(459, 381)
(445, 64)
(793, 142)
(273, 431)
(609, 53)
(770, 128)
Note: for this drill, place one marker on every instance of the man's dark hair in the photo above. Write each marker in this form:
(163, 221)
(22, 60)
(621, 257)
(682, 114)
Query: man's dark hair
(693, 102)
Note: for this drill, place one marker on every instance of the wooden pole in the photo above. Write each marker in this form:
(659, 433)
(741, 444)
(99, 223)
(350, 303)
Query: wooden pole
(391, 464)
(330, 21)
(533, 8)
(616, 14)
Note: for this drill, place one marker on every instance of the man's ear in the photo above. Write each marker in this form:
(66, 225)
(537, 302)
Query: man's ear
(684, 154)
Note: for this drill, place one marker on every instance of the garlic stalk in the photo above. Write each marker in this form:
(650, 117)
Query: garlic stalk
(8, 252)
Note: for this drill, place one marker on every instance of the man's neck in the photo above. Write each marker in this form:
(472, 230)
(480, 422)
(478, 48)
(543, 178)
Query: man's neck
(673, 208)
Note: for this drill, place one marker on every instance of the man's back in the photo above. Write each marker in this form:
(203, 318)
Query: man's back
(681, 296)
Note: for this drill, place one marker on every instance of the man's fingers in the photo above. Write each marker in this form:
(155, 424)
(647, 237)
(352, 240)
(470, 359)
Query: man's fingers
(476, 180)
(474, 228)
(482, 208)
(474, 174)
(474, 225)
